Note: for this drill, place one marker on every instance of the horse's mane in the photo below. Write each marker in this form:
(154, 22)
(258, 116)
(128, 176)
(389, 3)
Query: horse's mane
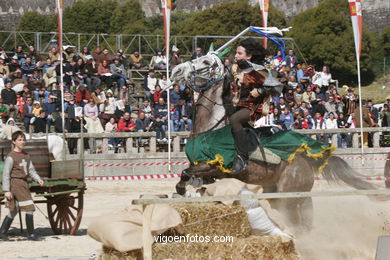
(226, 94)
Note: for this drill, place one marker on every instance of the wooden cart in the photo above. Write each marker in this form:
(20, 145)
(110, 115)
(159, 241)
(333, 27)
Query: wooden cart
(63, 192)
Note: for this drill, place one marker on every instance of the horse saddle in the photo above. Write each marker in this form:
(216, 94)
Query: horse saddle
(258, 152)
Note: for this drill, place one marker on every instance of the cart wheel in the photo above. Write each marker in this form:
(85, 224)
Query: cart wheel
(65, 212)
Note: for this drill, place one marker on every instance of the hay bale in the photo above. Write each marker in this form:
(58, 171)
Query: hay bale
(213, 219)
(253, 247)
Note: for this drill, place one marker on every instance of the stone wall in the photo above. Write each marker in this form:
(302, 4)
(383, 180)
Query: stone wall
(374, 14)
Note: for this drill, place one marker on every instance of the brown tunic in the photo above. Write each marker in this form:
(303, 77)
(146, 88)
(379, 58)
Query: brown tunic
(21, 168)
(246, 82)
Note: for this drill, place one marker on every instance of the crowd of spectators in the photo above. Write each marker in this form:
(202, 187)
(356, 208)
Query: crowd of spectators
(96, 92)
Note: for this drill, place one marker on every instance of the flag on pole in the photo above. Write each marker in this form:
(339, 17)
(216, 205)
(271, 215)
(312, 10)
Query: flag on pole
(166, 9)
(59, 23)
(264, 7)
(355, 7)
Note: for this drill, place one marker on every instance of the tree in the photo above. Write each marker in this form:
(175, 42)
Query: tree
(89, 16)
(128, 17)
(385, 41)
(35, 22)
(325, 36)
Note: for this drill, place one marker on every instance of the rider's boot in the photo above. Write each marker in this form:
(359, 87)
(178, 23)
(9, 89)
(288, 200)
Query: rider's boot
(242, 155)
(4, 228)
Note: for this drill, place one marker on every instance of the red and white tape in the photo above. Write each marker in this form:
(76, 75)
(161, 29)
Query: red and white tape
(133, 164)
(365, 159)
(133, 177)
(169, 176)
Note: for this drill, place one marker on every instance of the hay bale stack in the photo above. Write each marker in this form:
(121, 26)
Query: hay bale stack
(213, 219)
(253, 247)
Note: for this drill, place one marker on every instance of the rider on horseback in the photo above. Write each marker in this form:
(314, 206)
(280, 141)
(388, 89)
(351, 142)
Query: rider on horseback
(255, 87)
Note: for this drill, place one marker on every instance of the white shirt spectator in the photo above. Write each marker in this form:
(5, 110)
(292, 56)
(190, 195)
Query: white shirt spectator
(331, 123)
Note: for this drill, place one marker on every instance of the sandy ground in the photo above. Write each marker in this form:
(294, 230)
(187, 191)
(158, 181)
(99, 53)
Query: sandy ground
(344, 228)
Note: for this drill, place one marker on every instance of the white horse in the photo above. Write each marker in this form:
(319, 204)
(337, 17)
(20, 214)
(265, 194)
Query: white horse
(55, 142)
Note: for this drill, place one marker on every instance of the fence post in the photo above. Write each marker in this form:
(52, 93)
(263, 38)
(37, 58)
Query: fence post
(152, 144)
(375, 139)
(176, 144)
(335, 140)
(355, 140)
(129, 145)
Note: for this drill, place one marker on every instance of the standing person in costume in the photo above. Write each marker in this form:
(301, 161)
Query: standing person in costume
(255, 87)
(17, 167)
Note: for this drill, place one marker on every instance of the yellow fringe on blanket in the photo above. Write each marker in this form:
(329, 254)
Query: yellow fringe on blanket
(304, 148)
(218, 161)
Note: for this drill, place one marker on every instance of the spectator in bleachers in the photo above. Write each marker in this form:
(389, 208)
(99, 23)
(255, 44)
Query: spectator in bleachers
(14, 64)
(9, 98)
(107, 56)
(136, 61)
(318, 106)
(188, 95)
(158, 61)
(374, 113)
(105, 73)
(95, 95)
(318, 93)
(9, 128)
(82, 95)
(175, 58)
(350, 100)
(325, 78)
(301, 122)
(146, 108)
(20, 54)
(98, 55)
(319, 124)
(36, 81)
(142, 124)
(84, 53)
(175, 94)
(78, 69)
(68, 53)
(4, 69)
(385, 116)
(107, 108)
(53, 54)
(34, 55)
(159, 127)
(36, 108)
(17, 78)
(331, 123)
(112, 127)
(289, 96)
(157, 95)
(197, 54)
(164, 82)
(309, 96)
(161, 110)
(26, 92)
(122, 57)
(150, 82)
(176, 124)
(39, 122)
(47, 65)
(126, 124)
(51, 107)
(3, 53)
(41, 95)
(344, 140)
(126, 109)
(118, 72)
(90, 74)
(91, 114)
(332, 106)
(20, 102)
(291, 60)
(302, 79)
(287, 119)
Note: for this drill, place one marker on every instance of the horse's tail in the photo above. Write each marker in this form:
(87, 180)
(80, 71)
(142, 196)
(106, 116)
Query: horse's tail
(337, 169)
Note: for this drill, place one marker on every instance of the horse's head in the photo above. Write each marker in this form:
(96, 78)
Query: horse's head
(199, 73)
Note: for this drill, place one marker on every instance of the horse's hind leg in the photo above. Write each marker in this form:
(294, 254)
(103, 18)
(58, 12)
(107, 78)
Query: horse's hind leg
(297, 177)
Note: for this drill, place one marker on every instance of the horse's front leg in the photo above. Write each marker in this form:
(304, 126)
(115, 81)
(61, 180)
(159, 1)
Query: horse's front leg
(181, 185)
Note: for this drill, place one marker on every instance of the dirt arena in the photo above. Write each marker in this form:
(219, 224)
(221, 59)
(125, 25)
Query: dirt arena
(344, 227)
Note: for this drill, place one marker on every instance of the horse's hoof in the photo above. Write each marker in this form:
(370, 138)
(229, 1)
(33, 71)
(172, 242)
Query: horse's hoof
(180, 189)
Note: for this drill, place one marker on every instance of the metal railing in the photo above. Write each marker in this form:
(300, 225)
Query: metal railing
(145, 44)
(138, 142)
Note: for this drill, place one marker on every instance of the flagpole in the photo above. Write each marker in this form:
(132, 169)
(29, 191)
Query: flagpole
(361, 109)
(59, 21)
(166, 15)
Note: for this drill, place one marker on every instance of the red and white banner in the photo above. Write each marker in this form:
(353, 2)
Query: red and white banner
(166, 10)
(59, 24)
(355, 8)
(264, 7)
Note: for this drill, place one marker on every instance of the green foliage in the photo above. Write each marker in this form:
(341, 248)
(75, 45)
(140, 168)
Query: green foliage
(385, 41)
(35, 22)
(89, 16)
(128, 18)
(325, 36)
